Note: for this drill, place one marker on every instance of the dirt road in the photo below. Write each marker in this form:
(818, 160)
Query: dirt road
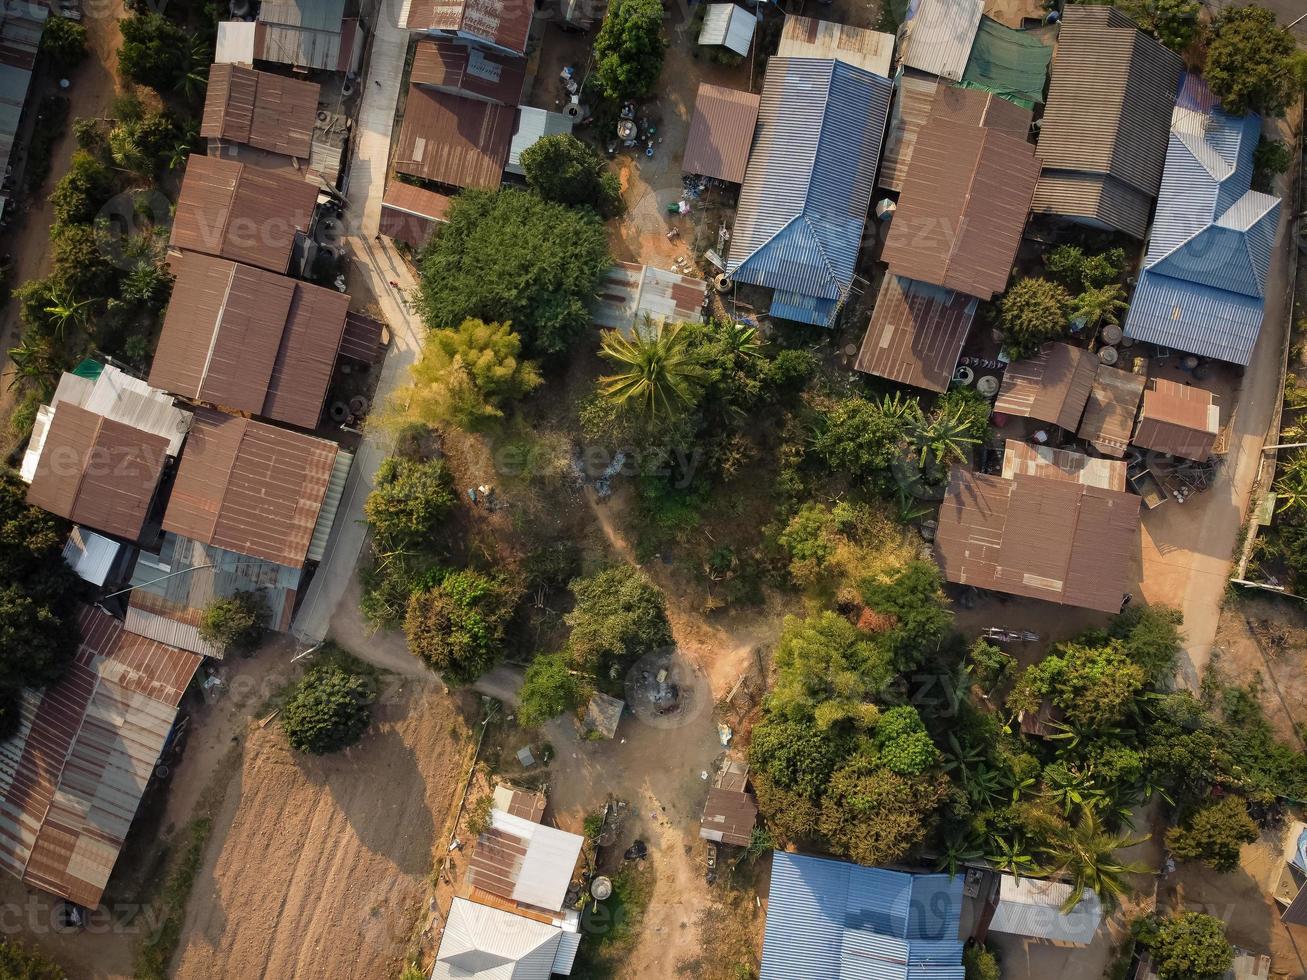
(317, 867)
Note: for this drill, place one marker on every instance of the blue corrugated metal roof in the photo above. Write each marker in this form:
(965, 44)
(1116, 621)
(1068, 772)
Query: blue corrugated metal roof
(816, 310)
(829, 919)
(803, 205)
(1210, 250)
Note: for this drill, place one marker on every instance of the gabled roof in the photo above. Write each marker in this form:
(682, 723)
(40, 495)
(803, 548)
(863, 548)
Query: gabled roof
(808, 185)
(721, 132)
(630, 292)
(499, 22)
(1178, 419)
(1030, 907)
(730, 26)
(966, 196)
(86, 747)
(248, 339)
(1109, 417)
(260, 109)
(916, 333)
(525, 861)
(454, 140)
(250, 487)
(1209, 257)
(468, 70)
(1053, 386)
(937, 35)
(241, 213)
(1104, 130)
(914, 95)
(1042, 538)
(483, 943)
(834, 919)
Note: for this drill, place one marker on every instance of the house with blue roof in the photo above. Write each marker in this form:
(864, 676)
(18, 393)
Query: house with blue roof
(808, 184)
(829, 919)
(1203, 285)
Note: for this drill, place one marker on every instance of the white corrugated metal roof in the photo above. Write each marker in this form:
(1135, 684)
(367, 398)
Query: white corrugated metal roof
(330, 504)
(532, 125)
(483, 943)
(728, 25)
(169, 631)
(35, 445)
(938, 35)
(551, 856)
(118, 396)
(235, 43)
(1029, 907)
(90, 555)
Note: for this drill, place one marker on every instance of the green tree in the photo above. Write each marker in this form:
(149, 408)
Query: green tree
(658, 371)
(628, 50)
(795, 755)
(1069, 266)
(409, 501)
(328, 710)
(511, 257)
(1250, 65)
(81, 261)
(466, 376)
(1270, 159)
(18, 962)
(1100, 305)
(1213, 834)
(1086, 853)
(988, 663)
(1093, 685)
(63, 43)
(1191, 946)
(1150, 636)
(619, 616)
(874, 816)
(154, 51)
(563, 169)
(1173, 22)
(904, 745)
(82, 191)
(913, 596)
(237, 622)
(980, 963)
(458, 626)
(1033, 312)
(862, 438)
(549, 690)
(829, 672)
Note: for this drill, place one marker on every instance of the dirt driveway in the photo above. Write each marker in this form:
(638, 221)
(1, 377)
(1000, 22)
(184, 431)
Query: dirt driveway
(317, 867)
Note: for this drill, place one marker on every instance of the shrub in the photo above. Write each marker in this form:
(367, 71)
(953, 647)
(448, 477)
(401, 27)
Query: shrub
(989, 663)
(235, 623)
(980, 963)
(478, 815)
(861, 438)
(458, 626)
(82, 191)
(549, 690)
(1213, 834)
(1191, 946)
(63, 42)
(409, 500)
(328, 710)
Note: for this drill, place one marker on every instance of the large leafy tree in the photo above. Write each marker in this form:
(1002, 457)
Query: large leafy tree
(1173, 22)
(458, 626)
(829, 672)
(913, 596)
(863, 438)
(1191, 946)
(628, 50)
(659, 374)
(467, 375)
(155, 51)
(1033, 312)
(619, 617)
(549, 689)
(512, 257)
(63, 42)
(328, 710)
(873, 816)
(410, 499)
(1250, 62)
(1213, 834)
(561, 168)
(1094, 686)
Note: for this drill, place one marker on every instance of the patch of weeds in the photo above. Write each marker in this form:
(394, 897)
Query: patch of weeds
(611, 928)
(156, 953)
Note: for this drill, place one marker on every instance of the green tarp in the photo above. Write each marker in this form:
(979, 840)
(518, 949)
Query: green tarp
(1010, 63)
(90, 369)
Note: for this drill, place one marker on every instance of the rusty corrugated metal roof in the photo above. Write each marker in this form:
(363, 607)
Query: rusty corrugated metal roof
(71, 779)
(471, 71)
(1045, 539)
(241, 213)
(1062, 464)
(721, 132)
(1110, 411)
(1053, 386)
(410, 214)
(808, 37)
(98, 472)
(453, 140)
(250, 487)
(248, 339)
(630, 292)
(966, 196)
(362, 338)
(260, 109)
(1178, 419)
(502, 22)
(916, 333)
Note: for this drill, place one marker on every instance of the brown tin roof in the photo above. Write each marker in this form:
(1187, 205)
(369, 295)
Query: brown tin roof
(914, 97)
(1178, 419)
(729, 816)
(502, 22)
(250, 487)
(410, 214)
(916, 333)
(1053, 386)
(249, 339)
(468, 70)
(98, 472)
(1110, 412)
(721, 133)
(1042, 538)
(966, 196)
(241, 213)
(260, 109)
(453, 140)
(75, 772)
(496, 862)
(1062, 464)
(362, 339)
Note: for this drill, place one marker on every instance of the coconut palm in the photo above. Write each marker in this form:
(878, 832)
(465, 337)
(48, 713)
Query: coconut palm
(659, 373)
(1086, 854)
(741, 339)
(1099, 306)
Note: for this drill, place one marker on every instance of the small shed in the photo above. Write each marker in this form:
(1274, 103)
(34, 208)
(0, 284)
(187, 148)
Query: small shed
(1053, 386)
(630, 292)
(603, 713)
(410, 214)
(1178, 419)
(721, 132)
(1110, 412)
(525, 803)
(1030, 907)
(728, 25)
(730, 812)
(534, 125)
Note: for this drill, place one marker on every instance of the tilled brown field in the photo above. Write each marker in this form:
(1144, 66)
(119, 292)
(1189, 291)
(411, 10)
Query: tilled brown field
(318, 867)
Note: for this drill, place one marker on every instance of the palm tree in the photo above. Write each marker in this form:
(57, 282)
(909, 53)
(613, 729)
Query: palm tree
(34, 363)
(940, 439)
(181, 150)
(1011, 856)
(659, 370)
(960, 847)
(63, 309)
(741, 339)
(1071, 787)
(1098, 306)
(196, 76)
(1086, 853)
